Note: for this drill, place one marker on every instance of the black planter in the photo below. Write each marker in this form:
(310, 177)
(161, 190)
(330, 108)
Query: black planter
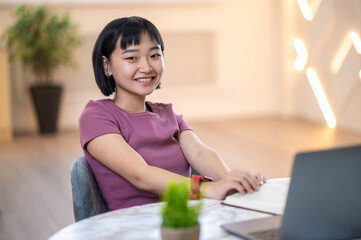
(46, 101)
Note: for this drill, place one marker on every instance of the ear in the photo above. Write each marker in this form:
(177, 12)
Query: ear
(106, 66)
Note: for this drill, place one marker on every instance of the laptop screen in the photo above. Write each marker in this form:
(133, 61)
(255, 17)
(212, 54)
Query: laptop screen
(324, 199)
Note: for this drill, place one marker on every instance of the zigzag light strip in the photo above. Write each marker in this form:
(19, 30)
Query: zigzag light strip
(302, 54)
(309, 10)
(321, 98)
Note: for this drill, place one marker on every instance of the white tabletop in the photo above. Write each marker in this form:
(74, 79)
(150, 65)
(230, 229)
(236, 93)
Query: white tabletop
(143, 222)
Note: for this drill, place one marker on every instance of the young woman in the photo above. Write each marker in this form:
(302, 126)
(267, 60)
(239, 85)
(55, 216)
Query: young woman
(135, 147)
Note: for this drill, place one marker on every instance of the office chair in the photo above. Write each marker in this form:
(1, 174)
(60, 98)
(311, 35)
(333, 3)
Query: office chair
(194, 172)
(87, 199)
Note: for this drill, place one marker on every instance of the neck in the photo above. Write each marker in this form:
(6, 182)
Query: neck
(134, 105)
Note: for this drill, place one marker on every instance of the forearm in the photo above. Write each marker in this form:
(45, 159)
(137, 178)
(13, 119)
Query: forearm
(202, 158)
(154, 179)
(209, 163)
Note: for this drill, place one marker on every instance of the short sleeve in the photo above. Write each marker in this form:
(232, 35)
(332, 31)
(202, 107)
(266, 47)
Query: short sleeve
(96, 120)
(183, 125)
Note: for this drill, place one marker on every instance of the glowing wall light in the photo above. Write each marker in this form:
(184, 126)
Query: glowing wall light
(356, 41)
(341, 55)
(309, 10)
(321, 97)
(360, 74)
(337, 62)
(302, 54)
(305, 9)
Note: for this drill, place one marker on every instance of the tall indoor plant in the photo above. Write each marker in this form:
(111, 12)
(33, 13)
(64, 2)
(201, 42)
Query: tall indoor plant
(179, 219)
(43, 41)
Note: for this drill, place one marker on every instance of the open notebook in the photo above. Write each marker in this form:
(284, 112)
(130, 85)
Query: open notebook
(271, 198)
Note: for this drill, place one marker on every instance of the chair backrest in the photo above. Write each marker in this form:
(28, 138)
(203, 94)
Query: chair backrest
(87, 199)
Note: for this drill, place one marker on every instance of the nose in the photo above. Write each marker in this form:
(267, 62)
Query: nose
(145, 66)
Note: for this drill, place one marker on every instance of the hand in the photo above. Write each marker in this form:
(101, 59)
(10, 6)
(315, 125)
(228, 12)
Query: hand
(240, 181)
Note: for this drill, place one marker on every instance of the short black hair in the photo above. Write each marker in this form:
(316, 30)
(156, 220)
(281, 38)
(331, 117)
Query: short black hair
(130, 30)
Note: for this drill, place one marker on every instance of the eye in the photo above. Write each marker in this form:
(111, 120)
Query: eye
(155, 55)
(131, 58)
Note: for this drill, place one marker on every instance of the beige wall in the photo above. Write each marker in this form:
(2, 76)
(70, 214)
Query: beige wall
(5, 116)
(253, 54)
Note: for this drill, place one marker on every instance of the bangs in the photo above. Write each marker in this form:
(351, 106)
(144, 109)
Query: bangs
(133, 31)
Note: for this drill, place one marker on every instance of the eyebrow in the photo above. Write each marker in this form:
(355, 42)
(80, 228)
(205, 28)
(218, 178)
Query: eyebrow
(137, 50)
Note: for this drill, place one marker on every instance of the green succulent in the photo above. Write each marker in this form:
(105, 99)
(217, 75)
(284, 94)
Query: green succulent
(176, 211)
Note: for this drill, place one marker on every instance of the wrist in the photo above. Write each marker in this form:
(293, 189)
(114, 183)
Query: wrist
(206, 189)
(198, 185)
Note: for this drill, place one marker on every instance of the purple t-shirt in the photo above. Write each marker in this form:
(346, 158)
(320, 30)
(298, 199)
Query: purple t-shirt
(154, 135)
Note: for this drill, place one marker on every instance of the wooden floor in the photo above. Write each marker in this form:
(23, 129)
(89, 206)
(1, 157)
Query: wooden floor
(35, 191)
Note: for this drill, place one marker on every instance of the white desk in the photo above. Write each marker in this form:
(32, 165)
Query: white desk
(143, 222)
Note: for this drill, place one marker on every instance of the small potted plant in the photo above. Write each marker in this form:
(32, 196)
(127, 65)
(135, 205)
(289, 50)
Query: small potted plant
(43, 41)
(179, 219)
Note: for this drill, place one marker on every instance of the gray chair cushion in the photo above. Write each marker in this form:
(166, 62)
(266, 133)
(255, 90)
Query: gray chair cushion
(87, 199)
(194, 172)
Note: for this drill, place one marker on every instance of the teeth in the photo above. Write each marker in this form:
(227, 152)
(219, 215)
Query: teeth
(143, 79)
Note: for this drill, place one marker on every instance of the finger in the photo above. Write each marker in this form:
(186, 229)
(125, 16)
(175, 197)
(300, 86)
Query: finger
(253, 181)
(246, 185)
(260, 179)
(246, 179)
(238, 187)
(265, 179)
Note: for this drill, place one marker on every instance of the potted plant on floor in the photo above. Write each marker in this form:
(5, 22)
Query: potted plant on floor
(179, 219)
(43, 41)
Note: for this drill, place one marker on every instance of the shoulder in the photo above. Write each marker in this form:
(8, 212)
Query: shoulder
(97, 105)
(97, 118)
(96, 109)
(156, 106)
(166, 110)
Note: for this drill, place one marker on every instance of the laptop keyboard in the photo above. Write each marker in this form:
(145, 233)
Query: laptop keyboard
(271, 234)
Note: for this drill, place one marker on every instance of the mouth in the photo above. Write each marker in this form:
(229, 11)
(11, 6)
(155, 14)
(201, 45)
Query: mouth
(144, 79)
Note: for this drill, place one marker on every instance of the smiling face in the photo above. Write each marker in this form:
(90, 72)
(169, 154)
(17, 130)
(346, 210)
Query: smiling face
(137, 70)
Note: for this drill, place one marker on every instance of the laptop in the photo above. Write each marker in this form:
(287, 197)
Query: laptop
(323, 201)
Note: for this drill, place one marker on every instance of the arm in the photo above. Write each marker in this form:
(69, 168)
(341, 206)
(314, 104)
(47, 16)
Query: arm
(207, 162)
(112, 151)
(202, 158)
(116, 154)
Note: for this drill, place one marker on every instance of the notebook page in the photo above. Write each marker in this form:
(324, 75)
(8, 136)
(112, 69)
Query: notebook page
(271, 197)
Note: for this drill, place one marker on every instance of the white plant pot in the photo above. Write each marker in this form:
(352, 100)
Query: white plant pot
(188, 233)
